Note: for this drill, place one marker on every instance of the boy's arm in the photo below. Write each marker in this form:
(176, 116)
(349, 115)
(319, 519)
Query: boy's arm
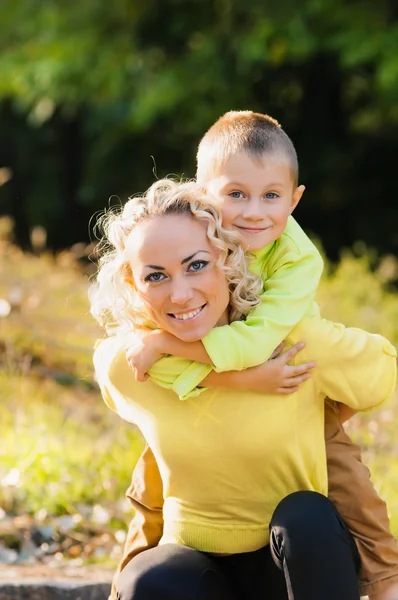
(275, 376)
(184, 377)
(287, 296)
(354, 367)
(146, 527)
(293, 274)
(170, 372)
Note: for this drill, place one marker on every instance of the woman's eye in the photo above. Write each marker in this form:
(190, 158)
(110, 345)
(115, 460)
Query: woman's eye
(271, 196)
(197, 265)
(236, 195)
(154, 277)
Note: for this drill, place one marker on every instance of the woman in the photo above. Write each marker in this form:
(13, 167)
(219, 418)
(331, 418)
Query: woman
(244, 474)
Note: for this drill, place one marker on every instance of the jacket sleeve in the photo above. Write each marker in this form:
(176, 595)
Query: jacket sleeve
(353, 366)
(181, 375)
(288, 294)
(146, 527)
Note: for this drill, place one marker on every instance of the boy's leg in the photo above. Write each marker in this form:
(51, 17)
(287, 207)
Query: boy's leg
(390, 594)
(365, 514)
(146, 527)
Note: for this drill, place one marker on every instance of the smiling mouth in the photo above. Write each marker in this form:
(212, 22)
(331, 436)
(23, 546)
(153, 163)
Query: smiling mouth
(187, 316)
(253, 229)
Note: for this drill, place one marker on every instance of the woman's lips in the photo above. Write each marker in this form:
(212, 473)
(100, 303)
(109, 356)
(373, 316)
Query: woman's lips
(188, 315)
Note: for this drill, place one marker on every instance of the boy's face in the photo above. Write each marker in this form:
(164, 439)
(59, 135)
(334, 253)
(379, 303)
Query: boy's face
(256, 197)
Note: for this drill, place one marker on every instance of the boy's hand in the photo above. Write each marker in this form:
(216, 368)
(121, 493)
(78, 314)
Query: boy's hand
(277, 377)
(142, 352)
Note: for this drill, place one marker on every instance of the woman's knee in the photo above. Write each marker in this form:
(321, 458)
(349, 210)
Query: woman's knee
(303, 510)
(307, 522)
(137, 577)
(170, 573)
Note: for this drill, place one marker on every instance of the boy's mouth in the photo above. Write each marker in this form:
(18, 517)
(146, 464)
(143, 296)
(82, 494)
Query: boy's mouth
(253, 229)
(188, 315)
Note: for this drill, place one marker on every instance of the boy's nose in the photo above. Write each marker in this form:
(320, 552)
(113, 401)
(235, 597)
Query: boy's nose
(254, 210)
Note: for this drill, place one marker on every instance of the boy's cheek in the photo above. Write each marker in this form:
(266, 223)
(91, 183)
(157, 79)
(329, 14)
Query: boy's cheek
(227, 213)
(227, 208)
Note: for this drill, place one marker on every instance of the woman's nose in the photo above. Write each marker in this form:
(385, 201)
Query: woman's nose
(181, 292)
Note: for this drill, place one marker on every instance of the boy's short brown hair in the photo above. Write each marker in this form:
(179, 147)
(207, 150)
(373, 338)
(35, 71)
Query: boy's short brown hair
(243, 131)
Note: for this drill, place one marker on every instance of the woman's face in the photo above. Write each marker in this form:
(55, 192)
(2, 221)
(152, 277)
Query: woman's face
(175, 274)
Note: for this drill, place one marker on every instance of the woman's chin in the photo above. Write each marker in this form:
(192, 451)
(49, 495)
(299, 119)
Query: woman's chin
(188, 333)
(188, 336)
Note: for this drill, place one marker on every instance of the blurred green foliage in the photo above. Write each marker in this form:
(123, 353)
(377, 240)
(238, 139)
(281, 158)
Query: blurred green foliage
(89, 92)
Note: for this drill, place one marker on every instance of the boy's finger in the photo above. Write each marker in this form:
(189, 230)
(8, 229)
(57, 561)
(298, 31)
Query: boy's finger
(294, 381)
(291, 352)
(140, 376)
(277, 350)
(300, 369)
(287, 390)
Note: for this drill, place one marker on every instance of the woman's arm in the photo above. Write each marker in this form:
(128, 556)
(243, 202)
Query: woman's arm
(354, 367)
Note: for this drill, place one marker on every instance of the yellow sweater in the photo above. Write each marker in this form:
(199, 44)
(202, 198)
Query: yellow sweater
(228, 458)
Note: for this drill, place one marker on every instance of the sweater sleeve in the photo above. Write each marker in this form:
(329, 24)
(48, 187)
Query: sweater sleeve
(288, 293)
(353, 366)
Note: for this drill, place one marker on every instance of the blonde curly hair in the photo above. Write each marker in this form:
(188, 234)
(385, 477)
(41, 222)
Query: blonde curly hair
(114, 301)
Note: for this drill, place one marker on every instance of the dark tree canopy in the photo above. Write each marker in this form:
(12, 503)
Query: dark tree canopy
(91, 91)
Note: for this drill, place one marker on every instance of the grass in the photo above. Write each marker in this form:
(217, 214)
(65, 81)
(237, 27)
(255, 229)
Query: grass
(63, 447)
(62, 450)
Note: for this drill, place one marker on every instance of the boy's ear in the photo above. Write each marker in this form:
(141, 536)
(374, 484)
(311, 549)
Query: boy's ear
(297, 197)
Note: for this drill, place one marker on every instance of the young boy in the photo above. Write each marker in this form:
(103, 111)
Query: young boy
(249, 165)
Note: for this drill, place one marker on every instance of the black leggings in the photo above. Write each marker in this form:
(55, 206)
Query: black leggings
(311, 556)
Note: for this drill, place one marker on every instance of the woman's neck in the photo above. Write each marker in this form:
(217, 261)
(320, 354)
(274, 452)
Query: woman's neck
(223, 320)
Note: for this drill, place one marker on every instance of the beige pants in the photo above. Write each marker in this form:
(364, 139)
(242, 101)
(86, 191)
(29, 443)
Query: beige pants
(365, 514)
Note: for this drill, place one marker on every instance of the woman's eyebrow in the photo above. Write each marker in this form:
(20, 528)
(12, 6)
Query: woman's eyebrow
(192, 255)
(188, 258)
(155, 267)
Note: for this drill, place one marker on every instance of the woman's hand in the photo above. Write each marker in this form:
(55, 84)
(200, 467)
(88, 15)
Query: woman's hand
(142, 351)
(276, 376)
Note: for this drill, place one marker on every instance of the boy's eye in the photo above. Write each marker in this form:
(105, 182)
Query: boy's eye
(271, 195)
(197, 265)
(236, 195)
(154, 277)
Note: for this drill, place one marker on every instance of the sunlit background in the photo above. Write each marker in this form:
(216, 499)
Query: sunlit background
(96, 100)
